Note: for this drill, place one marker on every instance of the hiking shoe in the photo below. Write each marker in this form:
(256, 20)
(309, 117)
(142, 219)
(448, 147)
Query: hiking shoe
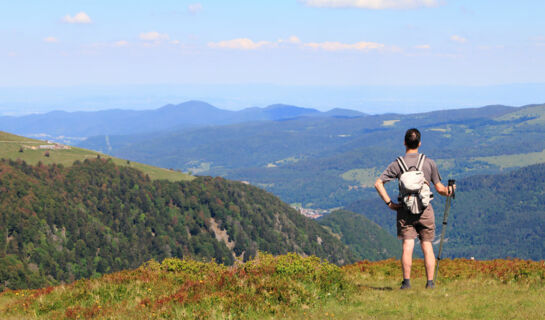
(405, 285)
(430, 284)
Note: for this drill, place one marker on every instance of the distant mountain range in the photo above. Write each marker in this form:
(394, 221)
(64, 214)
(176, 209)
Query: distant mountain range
(189, 114)
(327, 162)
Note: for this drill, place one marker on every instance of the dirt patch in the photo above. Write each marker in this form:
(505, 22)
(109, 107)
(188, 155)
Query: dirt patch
(221, 235)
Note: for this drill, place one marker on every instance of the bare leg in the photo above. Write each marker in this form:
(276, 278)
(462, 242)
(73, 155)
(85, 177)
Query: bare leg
(429, 258)
(407, 257)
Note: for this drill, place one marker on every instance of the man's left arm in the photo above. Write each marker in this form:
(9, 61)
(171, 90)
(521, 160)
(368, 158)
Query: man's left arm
(444, 191)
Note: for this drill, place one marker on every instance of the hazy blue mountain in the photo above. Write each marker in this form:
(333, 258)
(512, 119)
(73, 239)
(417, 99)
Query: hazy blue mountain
(340, 112)
(84, 124)
(282, 111)
(189, 114)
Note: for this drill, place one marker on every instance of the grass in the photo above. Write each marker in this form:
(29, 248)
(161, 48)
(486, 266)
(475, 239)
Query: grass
(10, 146)
(515, 160)
(388, 123)
(537, 113)
(366, 177)
(291, 287)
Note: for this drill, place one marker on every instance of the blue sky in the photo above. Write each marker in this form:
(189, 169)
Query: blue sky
(285, 44)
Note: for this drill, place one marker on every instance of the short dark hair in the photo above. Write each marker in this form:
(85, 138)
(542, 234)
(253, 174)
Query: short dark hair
(412, 138)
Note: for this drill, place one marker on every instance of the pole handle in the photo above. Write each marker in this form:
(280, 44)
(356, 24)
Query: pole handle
(451, 183)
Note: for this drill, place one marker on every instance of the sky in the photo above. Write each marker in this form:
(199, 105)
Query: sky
(370, 55)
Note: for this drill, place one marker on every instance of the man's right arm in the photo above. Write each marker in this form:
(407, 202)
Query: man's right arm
(379, 185)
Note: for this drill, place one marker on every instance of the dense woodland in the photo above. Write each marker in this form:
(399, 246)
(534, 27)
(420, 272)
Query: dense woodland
(493, 216)
(60, 223)
(365, 238)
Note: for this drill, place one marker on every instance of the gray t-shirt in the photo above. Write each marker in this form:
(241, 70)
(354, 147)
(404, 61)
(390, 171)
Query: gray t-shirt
(394, 171)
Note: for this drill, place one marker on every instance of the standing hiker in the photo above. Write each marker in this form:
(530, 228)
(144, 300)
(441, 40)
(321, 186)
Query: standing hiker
(415, 216)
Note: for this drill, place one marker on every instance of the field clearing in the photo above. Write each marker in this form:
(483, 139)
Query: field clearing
(389, 123)
(515, 160)
(12, 145)
(292, 287)
(535, 112)
(366, 177)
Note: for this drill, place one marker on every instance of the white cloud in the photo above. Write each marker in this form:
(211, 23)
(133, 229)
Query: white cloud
(337, 46)
(121, 43)
(80, 17)
(539, 41)
(248, 44)
(459, 39)
(154, 36)
(423, 46)
(241, 44)
(175, 42)
(292, 40)
(371, 4)
(51, 39)
(194, 8)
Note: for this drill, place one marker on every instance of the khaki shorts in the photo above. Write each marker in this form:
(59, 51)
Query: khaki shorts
(409, 225)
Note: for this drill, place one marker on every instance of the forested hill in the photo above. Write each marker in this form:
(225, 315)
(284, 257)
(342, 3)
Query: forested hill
(364, 237)
(63, 223)
(493, 216)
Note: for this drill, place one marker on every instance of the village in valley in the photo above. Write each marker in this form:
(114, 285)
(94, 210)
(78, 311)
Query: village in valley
(307, 212)
(311, 213)
(48, 146)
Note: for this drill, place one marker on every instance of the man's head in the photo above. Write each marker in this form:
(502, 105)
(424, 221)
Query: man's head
(412, 138)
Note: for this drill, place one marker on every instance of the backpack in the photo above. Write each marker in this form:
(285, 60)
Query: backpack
(414, 190)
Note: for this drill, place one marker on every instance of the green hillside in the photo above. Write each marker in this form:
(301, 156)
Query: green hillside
(493, 216)
(365, 238)
(291, 287)
(17, 147)
(59, 223)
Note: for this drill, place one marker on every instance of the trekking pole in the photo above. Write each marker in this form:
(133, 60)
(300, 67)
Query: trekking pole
(444, 229)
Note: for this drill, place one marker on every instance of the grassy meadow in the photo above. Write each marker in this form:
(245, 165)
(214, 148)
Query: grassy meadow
(291, 287)
(12, 145)
(515, 160)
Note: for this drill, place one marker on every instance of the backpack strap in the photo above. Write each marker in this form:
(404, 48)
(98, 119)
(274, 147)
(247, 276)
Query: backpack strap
(421, 159)
(402, 164)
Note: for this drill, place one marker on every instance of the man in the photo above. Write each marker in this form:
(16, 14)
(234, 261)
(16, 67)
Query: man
(410, 225)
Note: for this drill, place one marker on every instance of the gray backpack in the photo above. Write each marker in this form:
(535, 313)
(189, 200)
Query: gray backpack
(414, 190)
